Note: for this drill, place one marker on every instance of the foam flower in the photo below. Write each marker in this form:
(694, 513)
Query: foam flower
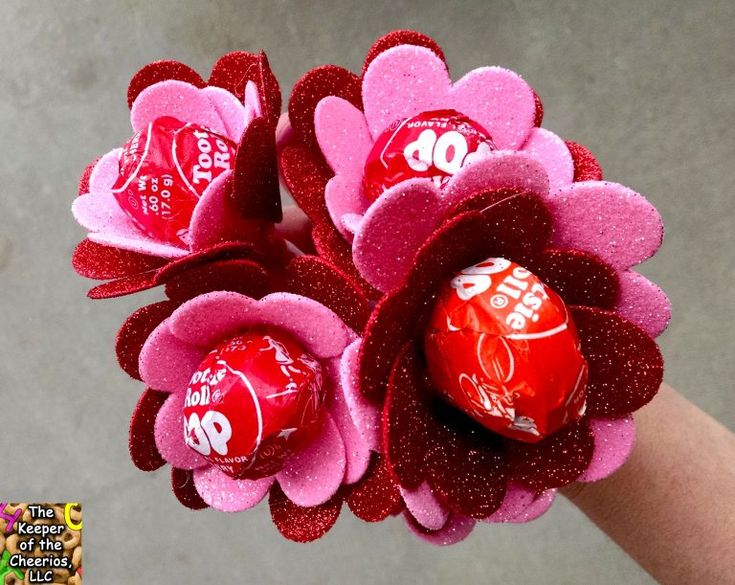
(317, 306)
(451, 471)
(240, 102)
(336, 116)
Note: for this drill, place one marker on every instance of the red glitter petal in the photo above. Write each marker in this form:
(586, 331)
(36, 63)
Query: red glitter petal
(302, 524)
(255, 187)
(539, 116)
(376, 496)
(515, 228)
(407, 420)
(182, 484)
(223, 251)
(426, 439)
(392, 323)
(586, 167)
(233, 70)
(135, 330)
(312, 87)
(401, 37)
(242, 276)
(124, 286)
(100, 262)
(330, 244)
(161, 71)
(306, 175)
(554, 462)
(270, 91)
(626, 366)
(142, 443)
(579, 277)
(84, 179)
(315, 278)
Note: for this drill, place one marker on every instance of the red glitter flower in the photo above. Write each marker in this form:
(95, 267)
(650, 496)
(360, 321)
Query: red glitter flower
(451, 470)
(240, 102)
(319, 307)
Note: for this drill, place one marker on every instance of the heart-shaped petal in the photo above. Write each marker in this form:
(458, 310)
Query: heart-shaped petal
(552, 152)
(230, 110)
(212, 317)
(166, 362)
(614, 441)
(607, 219)
(229, 495)
(169, 433)
(424, 506)
(177, 99)
(643, 302)
(402, 82)
(384, 249)
(312, 476)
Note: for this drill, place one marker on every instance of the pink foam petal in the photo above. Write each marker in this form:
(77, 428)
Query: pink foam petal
(552, 152)
(352, 223)
(365, 414)
(456, 529)
(614, 441)
(401, 82)
(503, 169)
(517, 499)
(252, 104)
(345, 201)
(138, 243)
(317, 327)
(215, 218)
(98, 211)
(343, 136)
(538, 507)
(607, 219)
(312, 476)
(106, 172)
(166, 362)
(108, 224)
(499, 100)
(384, 248)
(426, 509)
(169, 434)
(230, 110)
(643, 302)
(179, 100)
(229, 495)
(357, 450)
(209, 318)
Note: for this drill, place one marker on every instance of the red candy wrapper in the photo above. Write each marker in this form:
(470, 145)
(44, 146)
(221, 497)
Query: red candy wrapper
(164, 170)
(433, 145)
(255, 399)
(502, 347)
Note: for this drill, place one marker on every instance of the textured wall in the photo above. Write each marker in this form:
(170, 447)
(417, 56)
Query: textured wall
(647, 86)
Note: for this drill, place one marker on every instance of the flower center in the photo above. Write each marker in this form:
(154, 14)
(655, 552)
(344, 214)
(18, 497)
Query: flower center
(501, 346)
(432, 145)
(164, 170)
(254, 400)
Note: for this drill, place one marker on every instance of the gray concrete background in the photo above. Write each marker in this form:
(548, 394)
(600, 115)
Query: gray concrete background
(648, 86)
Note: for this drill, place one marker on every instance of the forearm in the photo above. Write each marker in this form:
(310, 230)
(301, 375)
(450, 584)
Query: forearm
(672, 505)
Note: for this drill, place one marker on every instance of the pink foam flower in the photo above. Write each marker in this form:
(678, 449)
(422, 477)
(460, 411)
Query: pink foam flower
(241, 102)
(311, 479)
(337, 116)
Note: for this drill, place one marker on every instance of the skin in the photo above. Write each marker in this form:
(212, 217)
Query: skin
(671, 507)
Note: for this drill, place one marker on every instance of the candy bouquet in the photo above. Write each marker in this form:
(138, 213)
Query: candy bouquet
(463, 334)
